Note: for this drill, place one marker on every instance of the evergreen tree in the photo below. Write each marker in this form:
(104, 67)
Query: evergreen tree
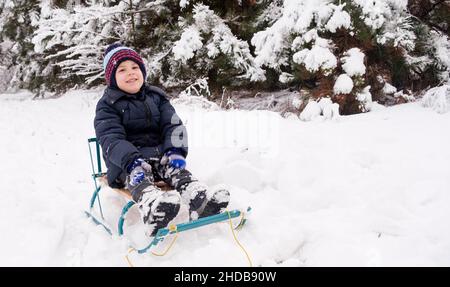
(71, 37)
(309, 42)
(181, 41)
(348, 51)
(18, 67)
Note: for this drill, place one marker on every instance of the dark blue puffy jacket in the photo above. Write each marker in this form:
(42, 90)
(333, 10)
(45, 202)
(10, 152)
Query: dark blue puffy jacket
(140, 125)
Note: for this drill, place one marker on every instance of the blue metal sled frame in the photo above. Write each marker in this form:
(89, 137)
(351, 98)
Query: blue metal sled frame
(163, 232)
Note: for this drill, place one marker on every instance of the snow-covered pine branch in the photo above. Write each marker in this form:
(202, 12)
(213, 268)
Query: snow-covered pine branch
(17, 66)
(209, 31)
(290, 36)
(74, 39)
(441, 45)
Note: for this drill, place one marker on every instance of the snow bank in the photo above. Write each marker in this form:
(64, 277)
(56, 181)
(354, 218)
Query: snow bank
(352, 192)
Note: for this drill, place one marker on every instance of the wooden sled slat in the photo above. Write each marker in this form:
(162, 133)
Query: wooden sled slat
(126, 193)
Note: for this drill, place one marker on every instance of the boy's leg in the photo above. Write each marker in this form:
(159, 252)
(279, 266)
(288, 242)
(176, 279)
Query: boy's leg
(157, 207)
(193, 192)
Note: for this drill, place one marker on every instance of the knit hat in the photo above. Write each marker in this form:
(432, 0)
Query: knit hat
(116, 54)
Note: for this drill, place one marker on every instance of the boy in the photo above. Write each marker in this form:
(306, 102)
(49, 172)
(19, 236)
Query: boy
(143, 141)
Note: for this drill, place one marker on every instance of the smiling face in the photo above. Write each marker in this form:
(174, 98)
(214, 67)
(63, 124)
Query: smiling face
(129, 77)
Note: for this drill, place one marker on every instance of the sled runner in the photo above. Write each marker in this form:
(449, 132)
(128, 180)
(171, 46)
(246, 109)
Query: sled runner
(99, 178)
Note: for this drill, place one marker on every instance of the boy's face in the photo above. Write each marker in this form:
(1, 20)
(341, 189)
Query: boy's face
(129, 77)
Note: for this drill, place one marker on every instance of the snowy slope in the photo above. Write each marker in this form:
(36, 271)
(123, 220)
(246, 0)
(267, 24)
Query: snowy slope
(365, 190)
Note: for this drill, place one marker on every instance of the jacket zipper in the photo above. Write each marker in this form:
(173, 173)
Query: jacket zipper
(148, 113)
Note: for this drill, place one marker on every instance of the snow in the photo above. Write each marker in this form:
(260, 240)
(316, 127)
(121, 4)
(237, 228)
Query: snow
(389, 89)
(365, 98)
(374, 12)
(343, 84)
(442, 45)
(311, 111)
(184, 3)
(340, 19)
(221, 39)
(390, 20)
(368, 190)
(190, 42)
(329, 110)
(353, 61)
(286, 78)
(324, 109)
(438, 98)
(297, 102)
(318, 57)
(272, 43)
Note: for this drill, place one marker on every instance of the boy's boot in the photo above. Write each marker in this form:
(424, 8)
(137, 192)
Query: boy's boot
(157, 207)
(203, 202)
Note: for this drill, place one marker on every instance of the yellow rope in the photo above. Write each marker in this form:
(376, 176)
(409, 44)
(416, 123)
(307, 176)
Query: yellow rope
(128, 259)
(172, 228)
(238, 226)
(237, 241)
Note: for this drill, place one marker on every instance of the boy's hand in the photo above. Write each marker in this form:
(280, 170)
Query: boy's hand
(137, 170)
(174, 159)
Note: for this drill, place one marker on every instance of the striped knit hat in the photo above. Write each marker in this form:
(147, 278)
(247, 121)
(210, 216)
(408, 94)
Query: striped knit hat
(116, 54)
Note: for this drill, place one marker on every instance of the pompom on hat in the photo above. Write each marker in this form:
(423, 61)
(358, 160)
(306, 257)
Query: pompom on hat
(114, 55)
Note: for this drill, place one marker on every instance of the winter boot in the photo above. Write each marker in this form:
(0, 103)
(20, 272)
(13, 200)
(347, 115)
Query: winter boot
(202, 202)
(157, 207)
(216, 202)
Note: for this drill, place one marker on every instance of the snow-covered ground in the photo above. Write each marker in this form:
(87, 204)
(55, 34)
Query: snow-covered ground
(365, 190)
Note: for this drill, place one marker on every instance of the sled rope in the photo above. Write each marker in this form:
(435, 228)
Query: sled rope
(172, 228)
(128, 259)
(237, 241)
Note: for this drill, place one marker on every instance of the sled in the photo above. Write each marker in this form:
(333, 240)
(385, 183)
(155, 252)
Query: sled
(100, 181)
